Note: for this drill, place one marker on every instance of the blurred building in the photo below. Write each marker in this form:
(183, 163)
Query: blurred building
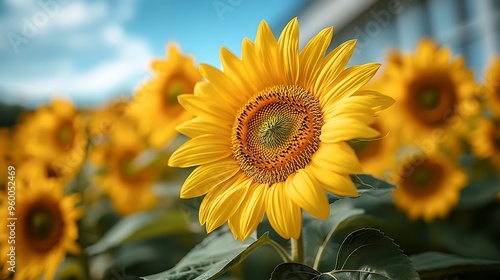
(468, 27)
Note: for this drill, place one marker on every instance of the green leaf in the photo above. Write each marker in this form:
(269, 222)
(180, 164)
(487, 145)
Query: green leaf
(484, 183)
(294, 271)
(319, 232)
(368, 184)
(368, 253)
(140, 227)
(215, 255)
(437, 264)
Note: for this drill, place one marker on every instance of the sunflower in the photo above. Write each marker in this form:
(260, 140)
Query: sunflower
(485, 140)
(428, 186)
(434, 96)
(45, 227)
(54, 134)
(376, 155)
(102, 120)
(127, 174)
(271, 128)
(493, 85)
(155, 104)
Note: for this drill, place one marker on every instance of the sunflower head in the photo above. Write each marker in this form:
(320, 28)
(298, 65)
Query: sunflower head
(54, 134)
(270, 130)
(155, 104)
(433, 92)
(428, 186)
(46, 227)
(485, 140)
(127, 170)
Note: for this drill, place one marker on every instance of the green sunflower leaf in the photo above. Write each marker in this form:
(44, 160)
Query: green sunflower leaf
(216, 254)
(440, 265)
(368, 254)
(368, 184)
(319, 233)
(140, 226)
(484, 183)
(294, 271)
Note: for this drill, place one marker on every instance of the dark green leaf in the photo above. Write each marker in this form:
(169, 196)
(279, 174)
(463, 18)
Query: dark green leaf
(437, 264)
(215, 255)
(368, 253)
(484, 183)
(139, 227)
(368, 184)
(319, 232)
(294, 271)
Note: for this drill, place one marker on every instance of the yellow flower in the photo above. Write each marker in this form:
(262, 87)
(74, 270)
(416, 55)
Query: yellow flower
(376, 155)
(433, 94)
(127, 173)
(155, 104)
(102, 120)
(493, 85)
(428, 186)
(45, 229)
(54, 134)
(485, 140)
(271, 128)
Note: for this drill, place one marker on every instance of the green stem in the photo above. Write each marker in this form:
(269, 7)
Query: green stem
(297, 250)
(284, 255)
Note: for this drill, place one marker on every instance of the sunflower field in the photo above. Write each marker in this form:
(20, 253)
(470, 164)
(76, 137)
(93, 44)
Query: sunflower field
(285, 161)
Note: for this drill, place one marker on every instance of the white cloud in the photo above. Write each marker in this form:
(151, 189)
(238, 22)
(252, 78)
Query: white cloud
(76, 32)
(79, 13)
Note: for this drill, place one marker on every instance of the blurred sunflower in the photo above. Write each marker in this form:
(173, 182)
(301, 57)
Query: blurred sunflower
(485, 141)
(46, 227)
(428, 186)
(54, 134)
(376, 155)
(155, 104)
(5, 157)
(126, 175)
(271, 128)
(101, 121)
(493, 85)
(433, 94)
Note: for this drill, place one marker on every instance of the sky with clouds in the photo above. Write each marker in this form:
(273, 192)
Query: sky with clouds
(90, 51)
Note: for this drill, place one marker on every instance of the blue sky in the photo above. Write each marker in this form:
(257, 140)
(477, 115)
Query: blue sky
(90, 51)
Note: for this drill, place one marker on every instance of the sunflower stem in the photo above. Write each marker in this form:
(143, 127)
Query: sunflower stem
(284, 255)
(297, 249)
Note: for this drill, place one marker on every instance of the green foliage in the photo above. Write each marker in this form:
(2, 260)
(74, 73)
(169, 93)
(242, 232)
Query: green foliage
(140, 227)
(215, 255)
(437, 264)
(365, 254)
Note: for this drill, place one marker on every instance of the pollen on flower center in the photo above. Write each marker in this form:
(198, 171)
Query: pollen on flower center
(276, 133)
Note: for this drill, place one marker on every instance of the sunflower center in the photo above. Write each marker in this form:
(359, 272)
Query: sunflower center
(65, 134)
(276, 133)
(429, 98)
(175, 86)
(44, 226)
(432, 99)
(423, 179)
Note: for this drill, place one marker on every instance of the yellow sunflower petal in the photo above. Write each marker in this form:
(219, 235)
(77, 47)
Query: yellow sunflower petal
(223, 206)
(349, 81)
(307, 195)
(311, 57)
(204, 178)
(208, 108)
(250, 213)
(334, 64)
(335, 183)
(200, 150)
(198, 126)
(229, 91)
(288, 45)
(338, 157)
(344, 129)
(283, 214)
